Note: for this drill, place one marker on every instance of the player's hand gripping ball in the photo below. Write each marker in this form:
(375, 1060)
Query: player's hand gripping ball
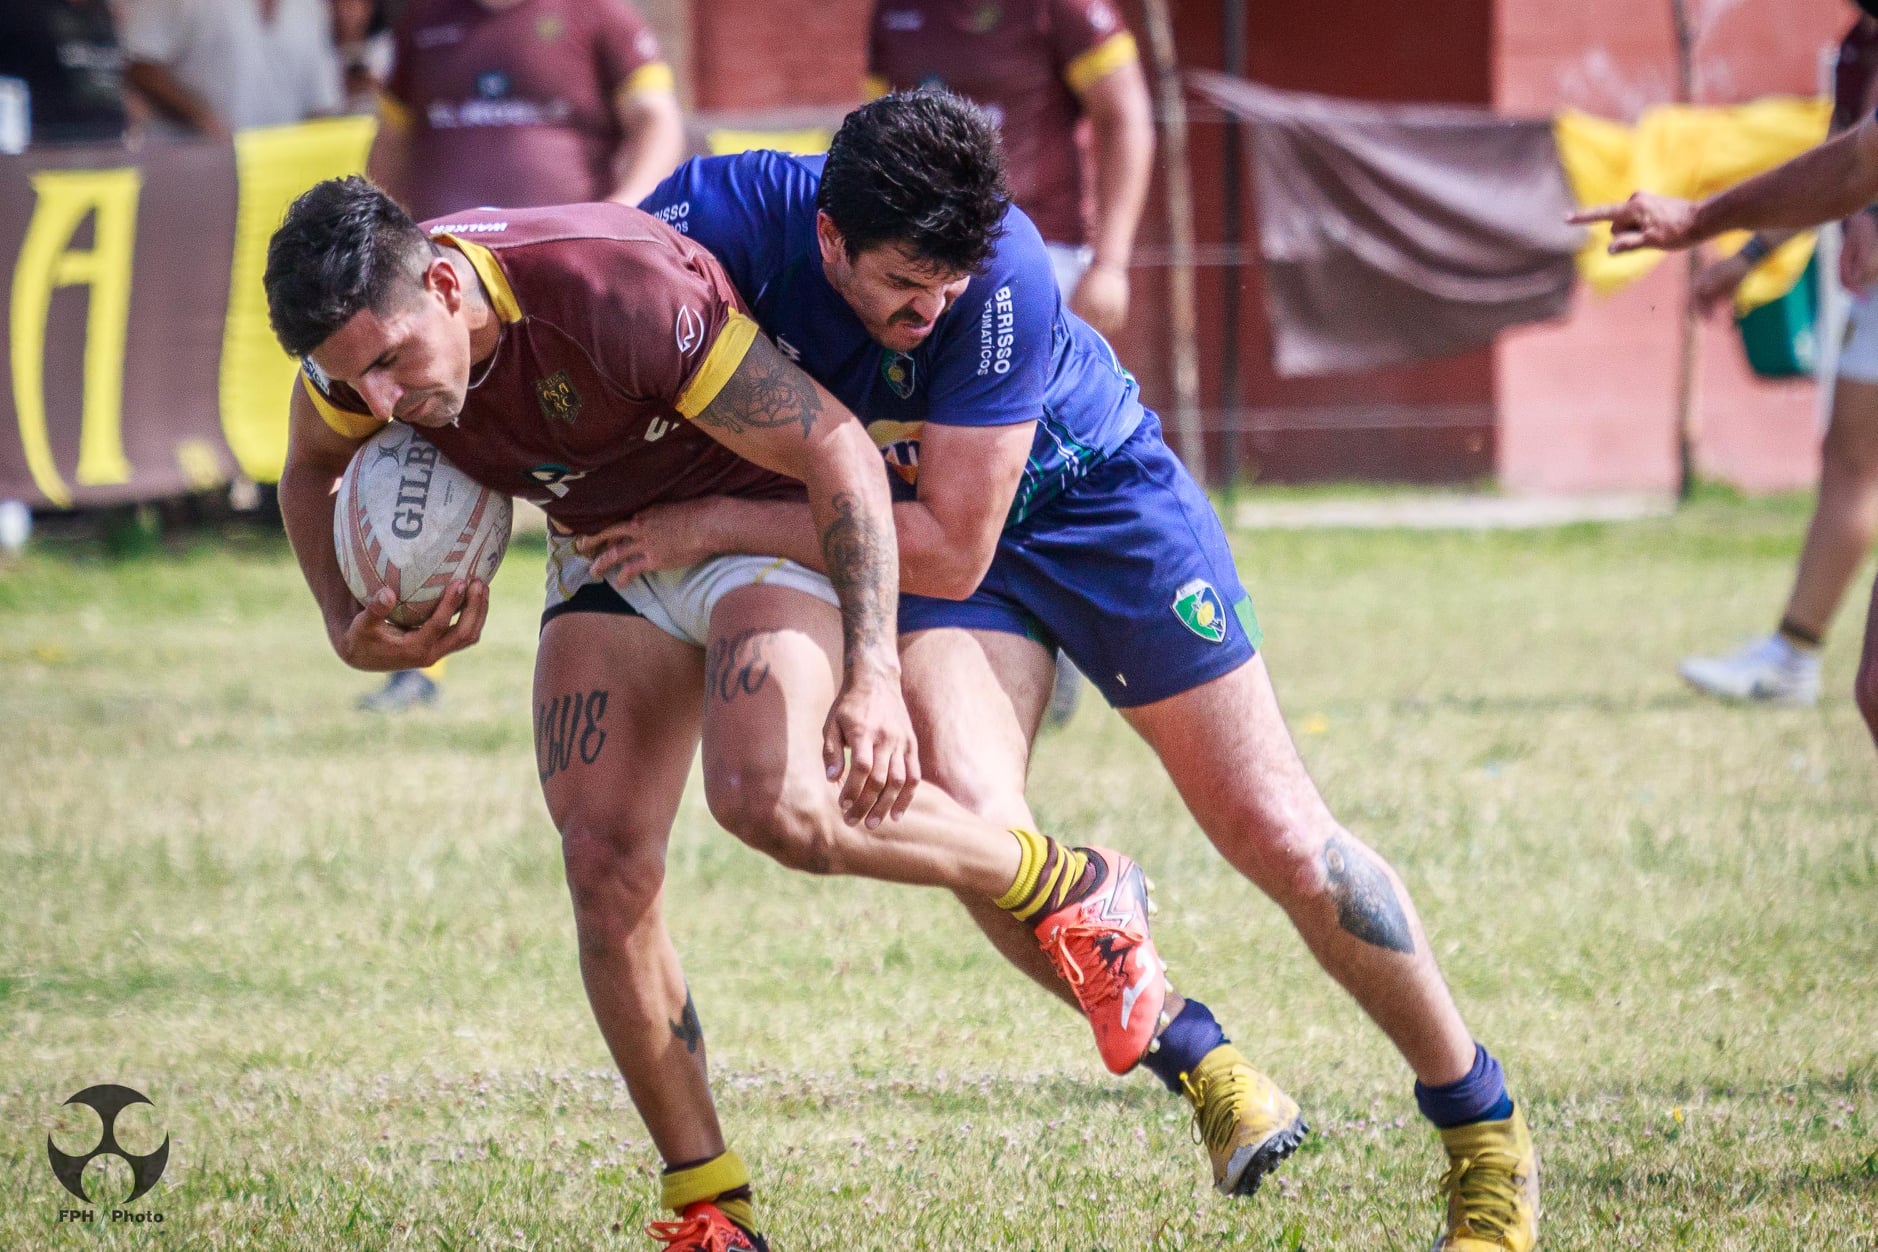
(406, 518)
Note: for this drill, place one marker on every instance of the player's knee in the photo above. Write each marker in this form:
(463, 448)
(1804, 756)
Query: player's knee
(777, 815)
(613, 878)
(1280, 850)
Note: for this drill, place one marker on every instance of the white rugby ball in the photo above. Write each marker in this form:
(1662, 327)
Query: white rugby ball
(406, 518)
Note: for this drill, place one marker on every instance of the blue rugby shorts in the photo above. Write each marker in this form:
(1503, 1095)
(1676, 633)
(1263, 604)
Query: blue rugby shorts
(1128, 571)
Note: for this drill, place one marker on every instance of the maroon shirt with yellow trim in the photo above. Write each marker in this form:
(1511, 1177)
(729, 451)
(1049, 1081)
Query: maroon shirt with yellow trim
(1024, 60)
(515, 106)
(615, 330)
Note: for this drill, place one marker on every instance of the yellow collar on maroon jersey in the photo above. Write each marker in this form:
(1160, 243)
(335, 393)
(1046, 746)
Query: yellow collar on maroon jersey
(495, 282)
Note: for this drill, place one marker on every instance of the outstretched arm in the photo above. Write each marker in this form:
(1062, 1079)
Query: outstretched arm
(947, 537)
(770, 412)
(1837, 178)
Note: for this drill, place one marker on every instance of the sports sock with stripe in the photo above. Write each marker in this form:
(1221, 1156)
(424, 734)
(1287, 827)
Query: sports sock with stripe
(1478, 1096)
(1050, 875)
(721, 1179)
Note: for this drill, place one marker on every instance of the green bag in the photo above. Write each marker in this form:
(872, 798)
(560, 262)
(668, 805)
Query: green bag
(1781, 337)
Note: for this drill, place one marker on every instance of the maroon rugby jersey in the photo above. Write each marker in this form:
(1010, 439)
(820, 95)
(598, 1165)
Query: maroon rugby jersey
(1024, 60)
(515, 106)
(616, 330)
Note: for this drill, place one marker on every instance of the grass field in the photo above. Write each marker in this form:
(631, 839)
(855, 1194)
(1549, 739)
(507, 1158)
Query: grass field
(337, 954)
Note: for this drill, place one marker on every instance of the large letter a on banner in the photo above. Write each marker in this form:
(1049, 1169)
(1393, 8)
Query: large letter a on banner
(46, 262)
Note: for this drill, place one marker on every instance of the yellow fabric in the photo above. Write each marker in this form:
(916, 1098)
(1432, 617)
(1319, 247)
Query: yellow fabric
(495, 282)
(802, 140)
(395, 113)
(683, 1187)
(351, 424)
(435, 672)
(1689, 151)
(273, 164)
(652, 78)
(726, 354)
(1092, 66)
(1032, 850)
(873, 87)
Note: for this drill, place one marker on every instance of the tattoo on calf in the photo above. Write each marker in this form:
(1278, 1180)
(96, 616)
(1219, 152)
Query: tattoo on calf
(688, 1029)
(1367, 905)
(857, 555)
(736, 666)
(567, 728)
(765, 392)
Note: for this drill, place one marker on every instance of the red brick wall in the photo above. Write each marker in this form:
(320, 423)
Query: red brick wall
(761, 54)
(1588, 405)
(1591, 404)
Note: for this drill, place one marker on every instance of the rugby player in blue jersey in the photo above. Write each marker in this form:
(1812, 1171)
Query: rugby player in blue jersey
(1037, 505)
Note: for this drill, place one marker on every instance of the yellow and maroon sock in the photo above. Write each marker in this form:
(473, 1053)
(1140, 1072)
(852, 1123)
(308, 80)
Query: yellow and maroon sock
(1050, 875)
(721, 1179)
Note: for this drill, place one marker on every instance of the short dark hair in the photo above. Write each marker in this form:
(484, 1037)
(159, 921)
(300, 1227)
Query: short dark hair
(921, 169)
(342, 248)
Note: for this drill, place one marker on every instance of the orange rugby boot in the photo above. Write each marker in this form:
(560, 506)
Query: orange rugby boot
(1101, 947)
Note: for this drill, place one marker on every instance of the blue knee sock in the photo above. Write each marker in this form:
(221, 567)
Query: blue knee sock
(1480, 1096)
(1187, 1039)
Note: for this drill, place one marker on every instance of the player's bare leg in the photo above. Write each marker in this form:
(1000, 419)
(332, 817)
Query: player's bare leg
(1846, 515)
(616, 723)
(1226, 747)
(1866, 687)
(1784, 667)
(770, 676)
(977, 699)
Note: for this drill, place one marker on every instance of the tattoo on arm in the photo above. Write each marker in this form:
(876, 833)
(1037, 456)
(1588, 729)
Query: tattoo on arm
(688, 1029)
(736, 666)
(567, 728)
(765, 392)
(1367, 905)
(856, 552)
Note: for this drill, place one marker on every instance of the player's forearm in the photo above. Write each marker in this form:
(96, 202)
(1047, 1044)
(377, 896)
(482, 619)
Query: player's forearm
(167, 95)
(1124, 159)
(306, 509)
(931, 564)
(1834, 180)
(854, 527)
(655, 143)
(388, 163)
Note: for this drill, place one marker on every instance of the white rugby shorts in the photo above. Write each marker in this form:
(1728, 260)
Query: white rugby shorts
(679, 601)
(1858, 358)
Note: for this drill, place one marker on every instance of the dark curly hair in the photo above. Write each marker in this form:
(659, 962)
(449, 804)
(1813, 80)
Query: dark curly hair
(342, 248)
(921, 169)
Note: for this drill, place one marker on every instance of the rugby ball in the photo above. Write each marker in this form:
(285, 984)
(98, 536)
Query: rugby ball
(406, 518)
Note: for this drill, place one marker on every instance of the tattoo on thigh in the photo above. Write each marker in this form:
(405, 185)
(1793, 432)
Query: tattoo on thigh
(1367, 905)
(567, 728)
(688, 1028)
(736, 666)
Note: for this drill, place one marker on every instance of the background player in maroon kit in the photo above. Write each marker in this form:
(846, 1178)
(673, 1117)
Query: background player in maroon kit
(1040, 67)
(597, 361)
(513, 104)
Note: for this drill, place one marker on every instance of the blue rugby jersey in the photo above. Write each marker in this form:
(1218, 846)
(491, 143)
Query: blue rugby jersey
(1006, 351)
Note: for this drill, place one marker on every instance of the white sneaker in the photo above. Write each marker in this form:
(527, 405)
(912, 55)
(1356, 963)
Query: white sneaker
(1768, 671)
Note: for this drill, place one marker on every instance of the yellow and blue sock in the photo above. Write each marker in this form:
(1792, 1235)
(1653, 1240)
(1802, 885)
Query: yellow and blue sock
(1478, 1096)
(721, 1179)
(1181, 1047)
